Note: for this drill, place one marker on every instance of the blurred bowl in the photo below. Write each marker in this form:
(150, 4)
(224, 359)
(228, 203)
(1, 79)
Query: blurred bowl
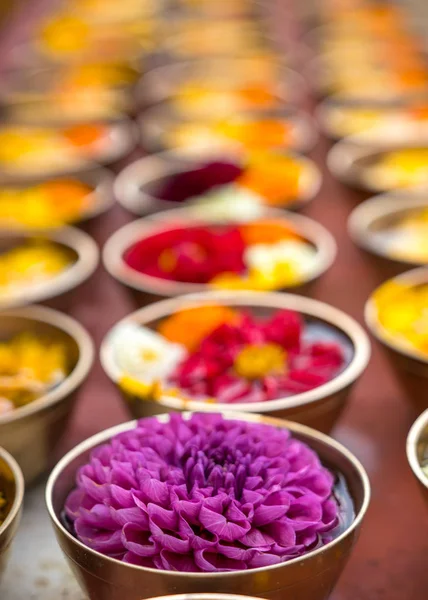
(312, 576)
(319, 408)
(31, 433)
(135, 187)
(337, 120)
(352, 162)
(161, 83)
(147, 288)
(101, 198)
(35, 95)
(60, 289)
(376, 215)
(410, 366)
(13, 481)
(417, 451)
(120, 138)
(201, 38)
(159, 122)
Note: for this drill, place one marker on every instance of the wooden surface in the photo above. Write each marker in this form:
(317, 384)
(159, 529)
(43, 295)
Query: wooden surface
(390, 560)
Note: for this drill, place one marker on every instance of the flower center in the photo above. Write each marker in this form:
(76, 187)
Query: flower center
(258, 361)
(149, 355)
(167, 260)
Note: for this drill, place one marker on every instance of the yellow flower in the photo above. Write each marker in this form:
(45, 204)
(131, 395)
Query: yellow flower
(65, 34)
(136, 387)
(260, 360)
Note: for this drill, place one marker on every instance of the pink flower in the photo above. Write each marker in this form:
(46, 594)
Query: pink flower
(203, 494)
(258, 360)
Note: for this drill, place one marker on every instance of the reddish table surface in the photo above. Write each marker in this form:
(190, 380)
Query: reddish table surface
(390, 560)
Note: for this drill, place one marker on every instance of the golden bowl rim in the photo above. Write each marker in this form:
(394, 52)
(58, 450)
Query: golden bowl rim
(416, 430)
(88, 257)
(306, 306)
(172, 161)
(383, 205)
(86, 358)
(416, 276)
(124, 237)
(19, 490)
(308, 432)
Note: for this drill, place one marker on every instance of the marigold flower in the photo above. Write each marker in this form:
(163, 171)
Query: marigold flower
(190, 326)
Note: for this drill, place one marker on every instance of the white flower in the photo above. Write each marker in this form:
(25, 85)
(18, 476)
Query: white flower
(228, 202)
(144, 354)
(296, 258)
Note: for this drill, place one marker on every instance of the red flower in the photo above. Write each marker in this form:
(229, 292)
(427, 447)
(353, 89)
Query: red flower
(189, 254)
(258, 360)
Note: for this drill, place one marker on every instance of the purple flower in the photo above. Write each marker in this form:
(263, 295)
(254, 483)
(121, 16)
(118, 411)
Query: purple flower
(203, 494)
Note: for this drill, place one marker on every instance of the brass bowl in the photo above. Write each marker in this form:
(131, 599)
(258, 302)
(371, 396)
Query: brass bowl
(161, 83)
(319, 408)
(417, 451)
(147, 288)
(410, 366)
(59, 291)
(120, 140)
(155, 125)
(350, 158)
(186, 37)
(30, 96)
(311, 577)
(135, 186)
(102, 198)
(11, 475)
(327, 115)
(31, 433)
(377, 214)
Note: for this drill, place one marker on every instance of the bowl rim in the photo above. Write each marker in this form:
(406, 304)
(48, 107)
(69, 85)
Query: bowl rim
(414, 434)
(81, 370)
(80, 270)
(124, 237)
(305, 306)
(127, 183)
(383, 205)
(19, 489)
(294, 428)
(413, 277)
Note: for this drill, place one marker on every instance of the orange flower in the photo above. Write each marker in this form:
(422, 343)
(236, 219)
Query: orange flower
(419, 112)
(190, 326)
(266, 232)
(268, 133)
(257, 96)
(84, 135)
(67, 195)
(274, 178)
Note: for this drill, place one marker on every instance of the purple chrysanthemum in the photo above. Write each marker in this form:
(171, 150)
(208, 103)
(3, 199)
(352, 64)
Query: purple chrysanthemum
(203, 494)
